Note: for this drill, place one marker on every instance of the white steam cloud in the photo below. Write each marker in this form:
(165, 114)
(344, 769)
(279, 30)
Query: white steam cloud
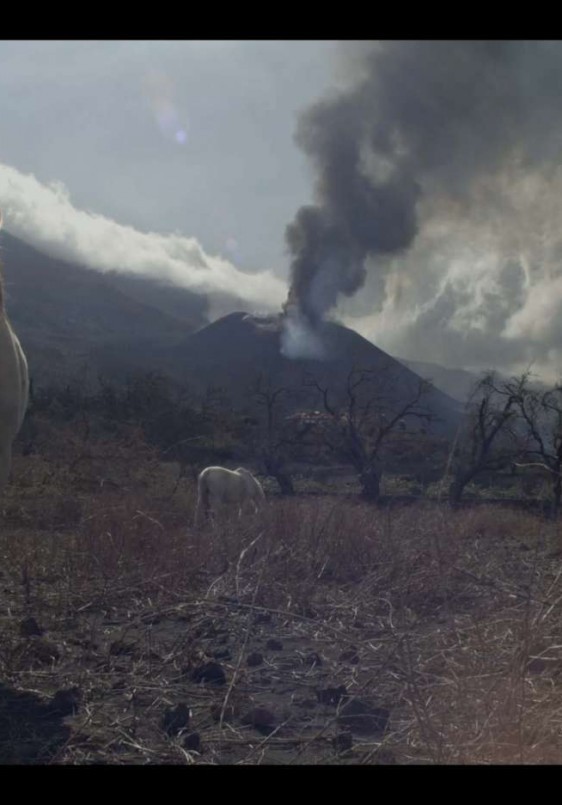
(43, 215)
(299, 339)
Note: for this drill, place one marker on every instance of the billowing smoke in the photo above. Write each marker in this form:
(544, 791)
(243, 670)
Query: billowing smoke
(422, 133)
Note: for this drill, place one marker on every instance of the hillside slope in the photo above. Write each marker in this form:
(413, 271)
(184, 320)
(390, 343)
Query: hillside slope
(62, 311)
(235, 350)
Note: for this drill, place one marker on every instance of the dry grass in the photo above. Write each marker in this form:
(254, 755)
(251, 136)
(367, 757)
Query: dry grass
(450, 620)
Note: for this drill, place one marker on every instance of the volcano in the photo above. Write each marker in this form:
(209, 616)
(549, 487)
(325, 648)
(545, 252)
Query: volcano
(236, 350)
(69, 317)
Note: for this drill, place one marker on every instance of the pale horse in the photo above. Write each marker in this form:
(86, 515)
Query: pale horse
(14, 388)
(218, 487)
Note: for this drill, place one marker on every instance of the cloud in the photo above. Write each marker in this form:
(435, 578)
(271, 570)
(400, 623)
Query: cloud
(482, 285)
(438, 194)
(43, 215)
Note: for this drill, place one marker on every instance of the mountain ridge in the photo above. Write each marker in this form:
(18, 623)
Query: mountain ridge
(70, 318)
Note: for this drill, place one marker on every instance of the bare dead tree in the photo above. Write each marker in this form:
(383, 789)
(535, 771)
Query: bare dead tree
(491, 436)
(271, 443)
(370, 410)
(542, 414)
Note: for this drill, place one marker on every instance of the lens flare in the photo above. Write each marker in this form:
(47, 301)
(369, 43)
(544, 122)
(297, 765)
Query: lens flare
(159, 92)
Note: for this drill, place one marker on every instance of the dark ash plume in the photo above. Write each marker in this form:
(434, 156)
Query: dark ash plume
(420, 119)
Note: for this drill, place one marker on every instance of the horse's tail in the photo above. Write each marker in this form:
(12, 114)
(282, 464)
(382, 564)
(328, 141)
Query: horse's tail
(259, 490)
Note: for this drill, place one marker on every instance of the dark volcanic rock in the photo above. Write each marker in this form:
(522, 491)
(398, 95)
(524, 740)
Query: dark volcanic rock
(260, 718)
(350, 655)
(331, 695)
(361, 717)
(119, 647)
(230, 712)
(30, 627)
(308, 704)
(274, 645)
(313, 659)
(176, 719)
(263, 617)
(32, 731)
(536, 666)
(210, 672)
(343, 742)
(221, 654)
(255, 658)
(42, 651)
(65, 702)
(192, 742)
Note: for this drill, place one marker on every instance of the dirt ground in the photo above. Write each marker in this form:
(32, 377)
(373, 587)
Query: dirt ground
(320, 632)
(224, 681)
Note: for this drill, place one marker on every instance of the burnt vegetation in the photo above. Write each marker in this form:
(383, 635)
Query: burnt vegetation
(331, 627)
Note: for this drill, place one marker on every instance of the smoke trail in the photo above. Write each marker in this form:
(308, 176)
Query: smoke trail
(419, 120)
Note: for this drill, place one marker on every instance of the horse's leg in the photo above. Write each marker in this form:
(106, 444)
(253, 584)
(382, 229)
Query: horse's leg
(200, 505)
(250, 502)
(207, 506)
(214, 507)
(203, 503)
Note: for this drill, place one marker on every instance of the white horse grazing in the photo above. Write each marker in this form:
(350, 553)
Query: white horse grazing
(14, 389)
(217, 487)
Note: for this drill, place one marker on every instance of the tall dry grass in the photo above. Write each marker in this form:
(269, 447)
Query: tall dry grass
(455, 616)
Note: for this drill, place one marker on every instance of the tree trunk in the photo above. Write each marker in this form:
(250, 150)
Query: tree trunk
(456, 489)
(285, 483)
(274, 467)
(557, 494)
(370, 485)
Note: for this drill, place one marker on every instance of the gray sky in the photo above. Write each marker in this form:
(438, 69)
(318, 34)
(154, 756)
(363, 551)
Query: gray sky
(178, 159)
(189, 137)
